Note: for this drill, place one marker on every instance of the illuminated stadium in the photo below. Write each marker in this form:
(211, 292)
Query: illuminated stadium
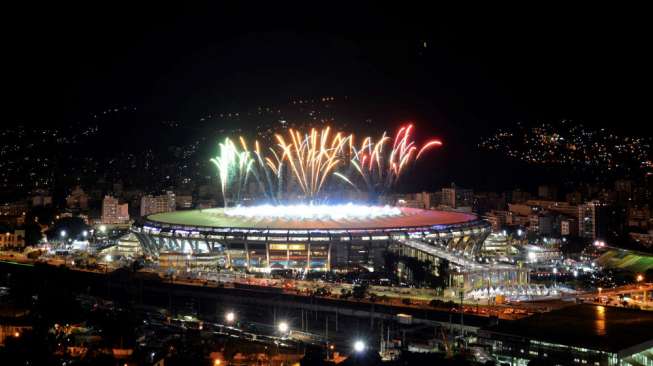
(308, 237)
(308, 170)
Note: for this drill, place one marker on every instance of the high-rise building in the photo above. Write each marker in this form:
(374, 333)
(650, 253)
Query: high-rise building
(157, 204)
(568, 227)
(113, 212)
(590, 219)
(457, 197)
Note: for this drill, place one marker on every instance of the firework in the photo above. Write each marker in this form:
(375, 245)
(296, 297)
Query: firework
(312, 158)
(234, 166)
(380, 164)
(309, 160)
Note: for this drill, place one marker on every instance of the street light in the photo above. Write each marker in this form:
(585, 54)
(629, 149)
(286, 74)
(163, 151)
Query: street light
(359, 346)
(640, 278)
(84, 233)
(63, 233)
(230, 317)
(283, 327)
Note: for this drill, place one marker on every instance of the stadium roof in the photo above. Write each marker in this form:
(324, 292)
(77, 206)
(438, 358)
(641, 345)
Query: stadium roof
(216, 218)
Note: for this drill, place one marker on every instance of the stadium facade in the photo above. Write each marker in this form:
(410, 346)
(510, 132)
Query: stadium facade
(265, 243)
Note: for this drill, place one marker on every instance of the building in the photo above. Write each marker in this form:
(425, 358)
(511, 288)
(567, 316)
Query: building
(517, 196)
(456, 197)
(643, 239)
(564, 208)
(639, 217)
(413, 200)
(499, 219)
(184, 202)
(77, 199)
(624, 185)
(585, 334)
(543, 252)
(569, 227)
(12, 239)
(485, 202)
(127, 245)
(574, 198)
(541, 223)
(157, 204)
(18, 208)
(591, 220)
(499, 245)
(41, 198)
(547, 192)
(522, 209)
(113, 212)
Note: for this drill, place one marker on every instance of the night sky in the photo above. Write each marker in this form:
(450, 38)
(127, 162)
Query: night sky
(457, 74)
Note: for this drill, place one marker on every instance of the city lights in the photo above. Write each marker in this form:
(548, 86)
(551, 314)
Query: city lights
(283, 327)
(359, 346)
(365, 189)
(572, 145)
(599, 243)
(230, 317)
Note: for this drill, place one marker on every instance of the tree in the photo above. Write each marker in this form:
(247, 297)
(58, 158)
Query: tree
(33, 234)
(648, 275)
(359, 290)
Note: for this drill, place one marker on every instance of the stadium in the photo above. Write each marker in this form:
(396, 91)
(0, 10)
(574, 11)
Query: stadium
(307, 237)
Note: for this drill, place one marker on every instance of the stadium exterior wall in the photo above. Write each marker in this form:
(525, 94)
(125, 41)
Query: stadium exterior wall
(265, 249)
